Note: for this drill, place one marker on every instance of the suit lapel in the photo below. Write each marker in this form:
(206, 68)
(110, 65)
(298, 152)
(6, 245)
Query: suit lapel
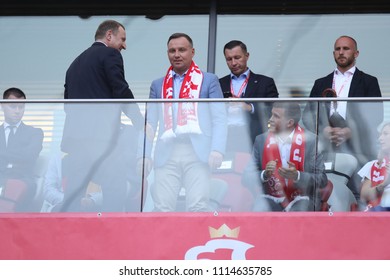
(2, 137)
(250, 87)
(19, 134)
(328, 83)
(253, 82)
(225, 83)
(20, 130)
(354, 83)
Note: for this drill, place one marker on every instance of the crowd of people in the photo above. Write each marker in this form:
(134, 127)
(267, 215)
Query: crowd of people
(183, 143)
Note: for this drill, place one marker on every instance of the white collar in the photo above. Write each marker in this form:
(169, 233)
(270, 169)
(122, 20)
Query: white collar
(14, 125)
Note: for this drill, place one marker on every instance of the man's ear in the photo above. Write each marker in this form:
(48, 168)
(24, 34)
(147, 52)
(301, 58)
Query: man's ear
(356, 54)
(108, 35)
(290, 123)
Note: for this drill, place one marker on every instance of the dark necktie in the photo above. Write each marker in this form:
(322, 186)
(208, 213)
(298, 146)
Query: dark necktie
(11, 134)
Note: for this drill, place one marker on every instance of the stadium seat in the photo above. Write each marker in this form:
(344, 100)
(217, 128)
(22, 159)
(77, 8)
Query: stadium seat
(12, 192)
(237, 198)
(39, 173)
(339, 171)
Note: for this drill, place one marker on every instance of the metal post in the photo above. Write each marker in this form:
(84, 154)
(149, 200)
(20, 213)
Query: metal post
(212, 37)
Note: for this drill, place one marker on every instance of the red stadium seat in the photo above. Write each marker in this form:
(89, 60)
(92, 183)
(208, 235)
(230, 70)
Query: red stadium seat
(238, 198)
(12, 193)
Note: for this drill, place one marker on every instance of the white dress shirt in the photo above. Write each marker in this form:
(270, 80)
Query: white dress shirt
(342, 84)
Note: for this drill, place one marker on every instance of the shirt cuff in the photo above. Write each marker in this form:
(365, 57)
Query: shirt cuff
(262, 178)
(299, 176)
(253, 108)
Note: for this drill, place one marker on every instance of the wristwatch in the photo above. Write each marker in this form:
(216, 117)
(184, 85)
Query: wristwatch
(265, 179)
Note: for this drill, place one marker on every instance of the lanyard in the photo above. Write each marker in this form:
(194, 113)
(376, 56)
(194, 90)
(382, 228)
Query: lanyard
(241, 88)
(346, 80)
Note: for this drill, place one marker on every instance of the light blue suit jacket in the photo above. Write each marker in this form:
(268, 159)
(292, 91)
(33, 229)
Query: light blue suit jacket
(212, 119)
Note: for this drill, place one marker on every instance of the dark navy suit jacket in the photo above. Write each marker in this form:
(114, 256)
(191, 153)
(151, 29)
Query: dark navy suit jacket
(259, 86)
(97, 73)
(18, 160)
(362, 117)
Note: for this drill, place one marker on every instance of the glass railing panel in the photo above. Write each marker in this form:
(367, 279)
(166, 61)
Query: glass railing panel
(348, 139)
(73, 157)
(236, 185)
(21, 143)
(94, 150)
(284, 172)
(188, 148)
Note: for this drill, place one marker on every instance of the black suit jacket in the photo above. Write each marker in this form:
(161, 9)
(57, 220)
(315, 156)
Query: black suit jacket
(97, 73)
(362, 117)
(18, 160)
(259, 86)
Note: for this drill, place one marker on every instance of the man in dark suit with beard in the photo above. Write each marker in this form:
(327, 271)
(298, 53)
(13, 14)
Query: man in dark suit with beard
(91, 130)
(245, 120)
(346, 127)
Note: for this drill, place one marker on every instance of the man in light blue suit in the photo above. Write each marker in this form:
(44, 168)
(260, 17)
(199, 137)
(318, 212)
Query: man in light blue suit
(191, 135)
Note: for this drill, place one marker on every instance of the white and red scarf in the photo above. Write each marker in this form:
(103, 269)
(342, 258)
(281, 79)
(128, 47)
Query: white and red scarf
(378, 175)
(187, 113)
(276, 186)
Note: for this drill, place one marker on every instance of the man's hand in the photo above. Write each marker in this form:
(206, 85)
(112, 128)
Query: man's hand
(87, 202)
(215, 160)
(290, 172)
(149, 132)
(242, 105)
(337, 135)
(146, 164)
(270, 168)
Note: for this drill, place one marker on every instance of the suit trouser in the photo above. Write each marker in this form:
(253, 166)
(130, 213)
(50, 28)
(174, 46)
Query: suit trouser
(100, 164)
(183, 169)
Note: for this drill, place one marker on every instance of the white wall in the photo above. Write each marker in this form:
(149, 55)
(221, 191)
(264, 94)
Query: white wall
(293, 49)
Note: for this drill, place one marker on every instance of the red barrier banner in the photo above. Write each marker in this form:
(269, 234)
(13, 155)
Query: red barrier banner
(195, 236)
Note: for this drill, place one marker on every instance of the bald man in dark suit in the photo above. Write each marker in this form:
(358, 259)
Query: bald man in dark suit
(346, 127)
